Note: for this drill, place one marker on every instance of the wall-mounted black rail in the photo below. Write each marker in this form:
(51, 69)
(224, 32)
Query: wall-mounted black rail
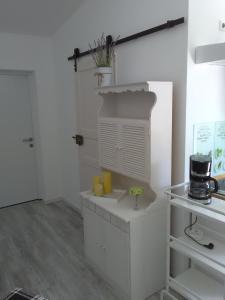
(169, 24)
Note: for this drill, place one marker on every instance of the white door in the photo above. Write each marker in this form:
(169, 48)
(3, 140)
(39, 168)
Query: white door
(18, 181)
(87, 106)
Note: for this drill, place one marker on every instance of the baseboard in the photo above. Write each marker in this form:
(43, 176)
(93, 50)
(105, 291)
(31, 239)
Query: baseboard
(74, 207)
(16, 204)
(49, 201)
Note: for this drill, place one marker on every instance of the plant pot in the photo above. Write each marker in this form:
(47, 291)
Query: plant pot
(105, 77)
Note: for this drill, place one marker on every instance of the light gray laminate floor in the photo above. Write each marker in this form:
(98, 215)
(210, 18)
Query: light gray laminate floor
(41, 250)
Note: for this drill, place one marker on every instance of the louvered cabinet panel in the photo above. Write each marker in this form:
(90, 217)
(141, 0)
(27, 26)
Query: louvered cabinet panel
(108, 144)
(134, 155)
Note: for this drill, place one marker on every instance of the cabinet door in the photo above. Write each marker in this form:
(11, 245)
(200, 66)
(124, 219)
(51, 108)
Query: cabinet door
(118, 257)
(108, 144)
(135, 150)
(93, 238)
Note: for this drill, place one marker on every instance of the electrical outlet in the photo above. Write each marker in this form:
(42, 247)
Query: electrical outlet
(197, 234)
(222, 25)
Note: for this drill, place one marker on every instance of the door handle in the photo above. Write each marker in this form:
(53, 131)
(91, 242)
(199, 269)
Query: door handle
(28, 140)
(79, 139)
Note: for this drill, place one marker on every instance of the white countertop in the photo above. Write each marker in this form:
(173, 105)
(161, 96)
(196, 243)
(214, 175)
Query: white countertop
(123, 208)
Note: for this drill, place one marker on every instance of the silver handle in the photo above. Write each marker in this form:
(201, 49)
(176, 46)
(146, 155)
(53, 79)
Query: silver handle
(28, 140)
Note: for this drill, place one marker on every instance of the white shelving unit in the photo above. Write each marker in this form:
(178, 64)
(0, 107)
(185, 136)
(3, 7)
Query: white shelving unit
(194, 284)
(204, 279)
(127, 246)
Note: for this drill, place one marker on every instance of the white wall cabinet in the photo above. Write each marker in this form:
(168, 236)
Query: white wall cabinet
(212, 54)
(135, 131)
(124, 146)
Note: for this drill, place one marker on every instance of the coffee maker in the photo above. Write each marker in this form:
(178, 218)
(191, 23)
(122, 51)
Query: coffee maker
(201, 186)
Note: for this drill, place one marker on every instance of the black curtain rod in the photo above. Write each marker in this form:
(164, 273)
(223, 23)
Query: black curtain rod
(169, 24)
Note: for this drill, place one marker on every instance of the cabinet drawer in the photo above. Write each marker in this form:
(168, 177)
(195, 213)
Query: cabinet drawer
(124, 226)
(91, 206)
(103, 213)
(87, 203)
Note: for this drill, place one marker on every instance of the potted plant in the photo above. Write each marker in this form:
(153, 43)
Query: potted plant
(102, 53)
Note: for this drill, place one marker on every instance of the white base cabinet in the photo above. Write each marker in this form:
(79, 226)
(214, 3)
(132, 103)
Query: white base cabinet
(126, 247)
(108, 248)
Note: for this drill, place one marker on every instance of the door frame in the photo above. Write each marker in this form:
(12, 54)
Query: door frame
(31, 79)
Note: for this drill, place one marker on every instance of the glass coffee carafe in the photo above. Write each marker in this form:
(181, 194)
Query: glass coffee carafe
(202, 185)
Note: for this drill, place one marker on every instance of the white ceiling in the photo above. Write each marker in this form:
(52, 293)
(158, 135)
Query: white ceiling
(36, 17)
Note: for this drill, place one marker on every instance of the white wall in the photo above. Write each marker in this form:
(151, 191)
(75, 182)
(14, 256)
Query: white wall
(26, 53)
(205, 83)
(161, 56)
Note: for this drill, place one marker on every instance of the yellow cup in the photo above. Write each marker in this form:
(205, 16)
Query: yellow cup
(96, 180)
(107, 182)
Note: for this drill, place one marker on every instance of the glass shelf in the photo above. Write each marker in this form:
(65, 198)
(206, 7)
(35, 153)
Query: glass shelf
(214, 210)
